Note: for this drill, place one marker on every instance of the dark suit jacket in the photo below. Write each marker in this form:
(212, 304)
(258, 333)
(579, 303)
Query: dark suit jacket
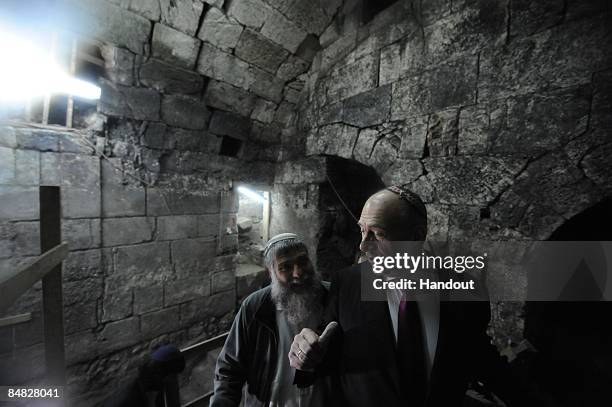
(364, 354)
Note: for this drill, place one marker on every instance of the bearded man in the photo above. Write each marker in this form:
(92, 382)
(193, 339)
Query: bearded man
(255, 351)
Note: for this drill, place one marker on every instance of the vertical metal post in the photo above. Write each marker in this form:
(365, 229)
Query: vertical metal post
(53, 307)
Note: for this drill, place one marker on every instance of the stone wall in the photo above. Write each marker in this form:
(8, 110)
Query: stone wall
(496, 112)
(195, 96)
(148, 263)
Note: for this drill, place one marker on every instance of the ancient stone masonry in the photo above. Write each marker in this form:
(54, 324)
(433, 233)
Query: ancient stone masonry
(195, 94)
(493, 111)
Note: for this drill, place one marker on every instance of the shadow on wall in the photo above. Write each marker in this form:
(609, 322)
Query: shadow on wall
(349, 184)
(574, 359)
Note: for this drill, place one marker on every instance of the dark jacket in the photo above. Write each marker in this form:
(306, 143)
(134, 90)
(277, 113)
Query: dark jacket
(365, 363)
(250, 354)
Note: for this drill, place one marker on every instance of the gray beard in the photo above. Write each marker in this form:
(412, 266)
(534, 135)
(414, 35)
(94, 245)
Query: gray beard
(303, 308)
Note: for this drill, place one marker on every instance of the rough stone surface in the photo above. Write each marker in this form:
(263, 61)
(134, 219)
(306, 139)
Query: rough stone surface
(227, 97)
(99, 19)
(124, 231)
(259, 51)
(229, 124)
(185, 112)
(219, 30)
(283, 32)
(335, 139)
(174, 46)
(368, 108)
(166, 78)
(453, 84)
(136, 103)
(183, 15)
(252, 13)
(119, 64)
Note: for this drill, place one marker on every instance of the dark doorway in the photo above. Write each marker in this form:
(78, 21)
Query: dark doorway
(349, 185)
(573, 339)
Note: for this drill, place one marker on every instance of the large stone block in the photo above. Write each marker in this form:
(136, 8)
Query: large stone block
(169, 79)
(26, 238)
(149, 9)
(529, 17)
(562, 56)
(402, 172)
(292, 67)
(414, 137)
(334, 139)
(220, 304)
(180, 291)
(259, 51)
(119, 64)
(7, 165)
(264, 111)
(122, 101)
(219, 30)
(120, 198)
(124, 231)
(183, 15)
(81, 233)
(252, 13)
(208, 226)
(307, 171)
(229, 124)
(134, 265)
(27, 167)
(527, 124)
(81, 202)
(185, 112)
(283, 31)
(112, 24)
(159, 322)
(442, 132)
(223, 281)
(177, 227)
(601, 111)
(266, 85)
(368, 108)
(120, 334)
(174, 46)
(167, 202)
(80, 317)
(224, 67)
(191, 256)
(352, 79)
(148, 298)
(471, 180)
(84, 264)
(449, 85)
(19, 203)
(227, 97)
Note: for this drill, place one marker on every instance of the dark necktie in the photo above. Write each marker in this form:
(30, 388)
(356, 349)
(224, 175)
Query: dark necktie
(410, 354)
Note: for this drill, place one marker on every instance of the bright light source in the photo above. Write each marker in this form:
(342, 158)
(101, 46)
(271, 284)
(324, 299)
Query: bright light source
(27, 72)
(252, 194)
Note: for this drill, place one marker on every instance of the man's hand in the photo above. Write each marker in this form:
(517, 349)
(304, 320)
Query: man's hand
(308, 348)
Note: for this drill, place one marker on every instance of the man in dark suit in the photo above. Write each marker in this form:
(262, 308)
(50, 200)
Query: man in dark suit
(400, 352)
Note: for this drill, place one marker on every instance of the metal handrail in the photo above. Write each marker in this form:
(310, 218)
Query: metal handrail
(203, 346)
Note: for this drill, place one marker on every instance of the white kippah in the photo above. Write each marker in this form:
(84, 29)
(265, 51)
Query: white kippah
(279, 238)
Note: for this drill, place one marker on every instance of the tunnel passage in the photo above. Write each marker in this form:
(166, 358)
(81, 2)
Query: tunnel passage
(573, 362)
(348, 183)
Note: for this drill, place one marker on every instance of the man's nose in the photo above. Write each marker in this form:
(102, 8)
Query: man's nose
(297, 271)
(366, 241)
